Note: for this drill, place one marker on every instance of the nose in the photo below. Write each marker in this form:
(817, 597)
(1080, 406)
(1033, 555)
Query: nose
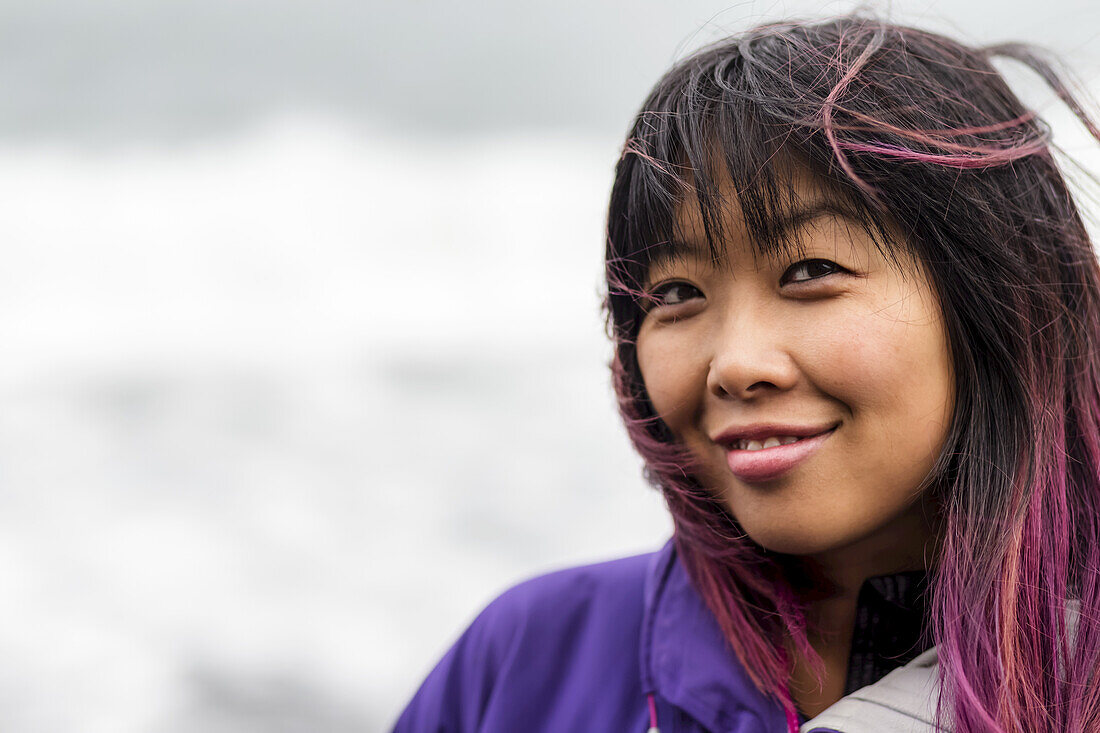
(750, 357)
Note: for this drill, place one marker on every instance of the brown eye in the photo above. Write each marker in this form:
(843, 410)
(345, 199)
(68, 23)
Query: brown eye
(809, 270)
(673, 293)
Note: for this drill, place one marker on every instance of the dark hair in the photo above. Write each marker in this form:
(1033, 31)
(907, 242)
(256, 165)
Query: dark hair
(924, 138)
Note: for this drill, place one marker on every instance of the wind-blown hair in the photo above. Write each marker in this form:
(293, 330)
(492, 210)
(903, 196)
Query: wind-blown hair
(923, 136)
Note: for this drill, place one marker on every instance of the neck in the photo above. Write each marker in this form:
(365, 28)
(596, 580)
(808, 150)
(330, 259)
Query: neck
(829, 583)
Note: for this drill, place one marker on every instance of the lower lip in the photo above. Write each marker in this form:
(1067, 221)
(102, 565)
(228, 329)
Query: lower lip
(770, 463)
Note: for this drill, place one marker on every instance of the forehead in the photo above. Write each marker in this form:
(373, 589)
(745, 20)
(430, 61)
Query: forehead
(712, 216)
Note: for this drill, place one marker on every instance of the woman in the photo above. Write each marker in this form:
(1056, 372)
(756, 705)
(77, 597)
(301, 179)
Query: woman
(856, 318)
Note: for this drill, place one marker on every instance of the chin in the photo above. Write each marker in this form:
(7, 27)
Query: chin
(790, 540)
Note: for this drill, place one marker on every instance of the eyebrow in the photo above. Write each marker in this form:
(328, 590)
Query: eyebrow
(663, 253)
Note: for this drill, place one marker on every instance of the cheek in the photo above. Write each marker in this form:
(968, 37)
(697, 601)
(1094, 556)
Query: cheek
(892, 368)
(673, 375)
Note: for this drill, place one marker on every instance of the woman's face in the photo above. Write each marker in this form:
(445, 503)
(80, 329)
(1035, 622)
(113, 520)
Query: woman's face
(838, 348)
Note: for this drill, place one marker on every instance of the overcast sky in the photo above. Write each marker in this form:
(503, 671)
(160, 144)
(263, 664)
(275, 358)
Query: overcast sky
(120, 71)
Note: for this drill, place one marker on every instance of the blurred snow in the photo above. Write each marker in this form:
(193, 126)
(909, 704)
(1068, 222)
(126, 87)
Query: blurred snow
(280, 412)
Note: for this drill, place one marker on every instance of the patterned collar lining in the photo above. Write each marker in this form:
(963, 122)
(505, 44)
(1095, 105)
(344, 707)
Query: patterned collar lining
(891, 626)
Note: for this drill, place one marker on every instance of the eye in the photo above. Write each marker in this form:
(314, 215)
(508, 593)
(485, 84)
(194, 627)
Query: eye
(805, 270)
(672, 294)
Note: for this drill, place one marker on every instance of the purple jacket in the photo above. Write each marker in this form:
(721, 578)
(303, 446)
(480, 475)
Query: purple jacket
(583, 649)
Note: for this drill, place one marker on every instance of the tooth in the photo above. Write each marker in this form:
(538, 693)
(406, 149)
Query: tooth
(788, 440)
(771, 442)
(753, 445)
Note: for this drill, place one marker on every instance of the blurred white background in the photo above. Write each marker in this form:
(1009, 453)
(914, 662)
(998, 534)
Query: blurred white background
(302, 354)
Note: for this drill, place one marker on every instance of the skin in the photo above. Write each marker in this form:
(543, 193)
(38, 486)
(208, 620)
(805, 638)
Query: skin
(855, 342)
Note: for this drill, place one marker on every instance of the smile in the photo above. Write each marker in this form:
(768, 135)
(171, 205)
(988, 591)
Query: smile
(767, 442)
(763, 460)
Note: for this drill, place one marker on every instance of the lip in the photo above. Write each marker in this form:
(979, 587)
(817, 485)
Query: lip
(769, 463)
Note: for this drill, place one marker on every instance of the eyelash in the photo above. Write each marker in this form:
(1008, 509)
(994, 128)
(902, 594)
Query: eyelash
(655, 295)
(784, 279)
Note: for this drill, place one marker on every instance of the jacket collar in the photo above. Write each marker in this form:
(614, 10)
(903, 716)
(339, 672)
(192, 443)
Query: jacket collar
(686, 661)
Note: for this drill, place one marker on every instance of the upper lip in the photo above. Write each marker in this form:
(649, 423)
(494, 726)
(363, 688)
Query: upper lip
(759, 431)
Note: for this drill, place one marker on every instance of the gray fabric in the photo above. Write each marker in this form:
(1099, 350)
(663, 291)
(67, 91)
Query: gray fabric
(904, 701)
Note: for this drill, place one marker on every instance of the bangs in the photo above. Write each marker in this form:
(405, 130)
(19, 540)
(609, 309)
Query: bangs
(715, 139)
